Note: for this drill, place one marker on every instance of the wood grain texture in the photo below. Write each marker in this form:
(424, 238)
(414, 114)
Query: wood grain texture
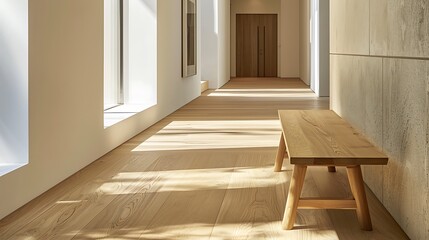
(337, 186)
(295, 188)
(245, 213)
(194, 188)
(358, 189)
(312, 223)
(281, 152)
(323, 138)
(322, 203)
(73, 211)
(343, 142)
(80, 185)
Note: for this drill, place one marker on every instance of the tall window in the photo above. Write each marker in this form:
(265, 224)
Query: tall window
(113, 67)
(14, 135)
(130, 58)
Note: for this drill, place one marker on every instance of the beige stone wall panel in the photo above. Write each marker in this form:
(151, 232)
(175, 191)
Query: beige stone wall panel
(405, 126)
(400, 28)
(349, 27)
(356, 96)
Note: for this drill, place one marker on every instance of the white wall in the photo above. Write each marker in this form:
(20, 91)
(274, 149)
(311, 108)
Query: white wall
(140, 52)
(66, 93)
(215, 34)
(323, 89)
(224, 42)
(13, 84)
(320, 47)
(304, 38)
(209, 42)
(290, 58)
(288, 31)
(112, 52)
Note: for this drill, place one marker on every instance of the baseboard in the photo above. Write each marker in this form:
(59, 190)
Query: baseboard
(204, 86)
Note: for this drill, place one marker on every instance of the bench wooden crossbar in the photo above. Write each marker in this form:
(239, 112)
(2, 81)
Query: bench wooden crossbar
(322, 138)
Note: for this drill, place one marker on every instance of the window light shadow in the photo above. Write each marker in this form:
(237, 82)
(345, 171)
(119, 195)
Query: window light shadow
(264, 93)
(198, 231)
(188, 180)
(222, 134)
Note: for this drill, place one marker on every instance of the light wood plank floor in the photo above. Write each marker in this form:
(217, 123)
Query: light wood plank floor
(204, 172)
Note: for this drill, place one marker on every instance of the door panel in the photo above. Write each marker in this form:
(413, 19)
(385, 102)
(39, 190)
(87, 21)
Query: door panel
(256, 45)
(247, 44)
(261, 50)
(270, 23)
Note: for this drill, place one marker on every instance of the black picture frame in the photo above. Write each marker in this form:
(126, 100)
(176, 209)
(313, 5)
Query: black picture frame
(189, 38)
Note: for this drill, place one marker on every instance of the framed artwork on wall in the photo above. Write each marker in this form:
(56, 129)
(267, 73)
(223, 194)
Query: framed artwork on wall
(189, 38)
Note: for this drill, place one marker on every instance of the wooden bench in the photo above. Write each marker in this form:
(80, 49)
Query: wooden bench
(322, 138)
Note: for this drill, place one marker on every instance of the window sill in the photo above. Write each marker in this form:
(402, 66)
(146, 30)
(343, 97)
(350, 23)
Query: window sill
(117, 114)
(7, 168)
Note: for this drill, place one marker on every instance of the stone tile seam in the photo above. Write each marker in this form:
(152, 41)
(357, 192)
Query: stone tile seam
(382, 128)
(380, 56)
(427, 155)
(369, 27)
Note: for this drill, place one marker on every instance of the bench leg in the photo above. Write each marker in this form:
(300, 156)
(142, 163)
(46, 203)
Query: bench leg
(295, 188)
(357, 185)
(280, 154)
(332, 169)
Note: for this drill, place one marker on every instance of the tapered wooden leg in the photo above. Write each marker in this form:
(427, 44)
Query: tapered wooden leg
(332, 169)
(280, 155)
(295, 188)
(358, 189)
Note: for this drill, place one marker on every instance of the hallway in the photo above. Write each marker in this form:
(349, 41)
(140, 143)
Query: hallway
(205, 171)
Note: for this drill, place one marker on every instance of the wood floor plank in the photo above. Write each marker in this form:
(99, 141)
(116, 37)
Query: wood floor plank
(192, 207)
(312, 224)
(251, 208)
(101, 168)
(129, 213)
(345, 222)
(167, 183)
(205, 171)
(68, 215)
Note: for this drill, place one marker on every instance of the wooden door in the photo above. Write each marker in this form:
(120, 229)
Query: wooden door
(256, 48)
(270, 45)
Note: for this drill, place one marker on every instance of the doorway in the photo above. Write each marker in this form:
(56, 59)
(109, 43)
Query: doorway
(256, 45)
(319, 47)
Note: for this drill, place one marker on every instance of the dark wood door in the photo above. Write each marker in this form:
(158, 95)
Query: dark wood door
(256, 45)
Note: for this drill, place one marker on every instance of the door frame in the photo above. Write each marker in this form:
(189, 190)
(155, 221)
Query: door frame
(319, 49)
(278, 52)
(233, 41)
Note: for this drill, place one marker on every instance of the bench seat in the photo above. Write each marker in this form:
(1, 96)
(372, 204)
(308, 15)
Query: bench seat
(322, 138)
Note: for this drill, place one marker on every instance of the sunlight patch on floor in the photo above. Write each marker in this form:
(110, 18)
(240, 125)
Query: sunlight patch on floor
(71, 201)
(104, 234)
(222, 231)
(264, 93)
(238, 230)
(188, 180)
(193, 135)
(263, 90)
